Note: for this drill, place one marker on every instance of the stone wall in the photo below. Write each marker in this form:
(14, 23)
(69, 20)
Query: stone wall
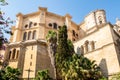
(104, 52)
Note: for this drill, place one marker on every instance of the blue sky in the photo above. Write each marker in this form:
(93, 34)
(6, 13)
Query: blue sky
(78, 9)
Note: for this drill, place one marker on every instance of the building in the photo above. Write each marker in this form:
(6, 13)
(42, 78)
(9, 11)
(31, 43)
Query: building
(95, 38)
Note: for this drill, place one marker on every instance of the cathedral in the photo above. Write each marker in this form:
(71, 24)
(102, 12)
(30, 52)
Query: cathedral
(94, 37)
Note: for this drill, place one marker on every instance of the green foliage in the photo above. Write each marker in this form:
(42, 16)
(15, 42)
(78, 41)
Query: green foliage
(116, 77)
(62, 47)
(80, 68)
(71, 66)
(52, 39)
(63, 50)
(103, 78)
(51, 36)
(43, 75)
(70, 47)
(9, 73)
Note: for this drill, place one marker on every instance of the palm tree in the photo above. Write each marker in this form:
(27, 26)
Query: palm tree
(43, 75)
(10, 73)
(52, 42)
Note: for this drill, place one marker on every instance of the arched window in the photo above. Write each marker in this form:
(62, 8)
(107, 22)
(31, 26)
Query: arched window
(92, 45)
(82, 50)
(100, 20)
(24, 35)
(78, 50)
(34, 35)
(29, 35)
(55, 25)
(10, 55)
(73, 32)
(13, 54)
(17, 54)
(30, 24)
(86, 46)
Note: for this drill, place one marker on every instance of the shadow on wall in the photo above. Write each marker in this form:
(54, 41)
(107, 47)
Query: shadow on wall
(103, 67)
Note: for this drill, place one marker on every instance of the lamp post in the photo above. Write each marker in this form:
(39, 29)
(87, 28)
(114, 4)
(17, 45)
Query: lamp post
(29, 70)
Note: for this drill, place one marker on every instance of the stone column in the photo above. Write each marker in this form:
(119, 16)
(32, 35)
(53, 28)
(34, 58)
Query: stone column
(6, 56)
(17, 31)
(21, 57)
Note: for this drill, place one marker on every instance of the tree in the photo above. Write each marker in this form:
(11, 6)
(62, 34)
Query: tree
(43, 75)
(63, 51)
(116, 77)
(78, 67)
(52, 45)
(52, 40)
(72, 66)
(4, 25)
(9, 73)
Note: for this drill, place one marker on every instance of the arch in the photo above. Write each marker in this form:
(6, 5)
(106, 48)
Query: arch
(78, 50)
(24, 35)
(86, 46)
(30, 24)
(34, 34)
(13, 54)
(55, 25)
(10, 55)
(92, 45)
(29, 35)
(73, 32)
(100, 19)
(82, 50)
(17, 54)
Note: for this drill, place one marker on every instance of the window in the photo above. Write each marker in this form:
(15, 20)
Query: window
(100, 19)
(59, 27)
(17, 54)
(13, 54)
(73, 39)
(30, 63)
(86, 46)
(54, 25)
(100, 22)
(76, 35)
(92, 45)
(31, 56)
(73, 32)
(35, 24)
(24, 35)
(82, 50)
(50, 24)
(10, 55)
(32, 47)
(78, 50)
(29, 35)
(34, 35)
(30, 24)
(26, 26)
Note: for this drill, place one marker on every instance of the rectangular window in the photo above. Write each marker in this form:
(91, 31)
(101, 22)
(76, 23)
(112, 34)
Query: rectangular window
(30, 63)
(32, 47)
(31, 56)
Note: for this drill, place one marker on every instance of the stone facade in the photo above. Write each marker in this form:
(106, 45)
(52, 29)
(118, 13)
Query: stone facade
(95, 38)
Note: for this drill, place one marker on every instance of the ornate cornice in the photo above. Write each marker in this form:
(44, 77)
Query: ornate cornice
(28, 42)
